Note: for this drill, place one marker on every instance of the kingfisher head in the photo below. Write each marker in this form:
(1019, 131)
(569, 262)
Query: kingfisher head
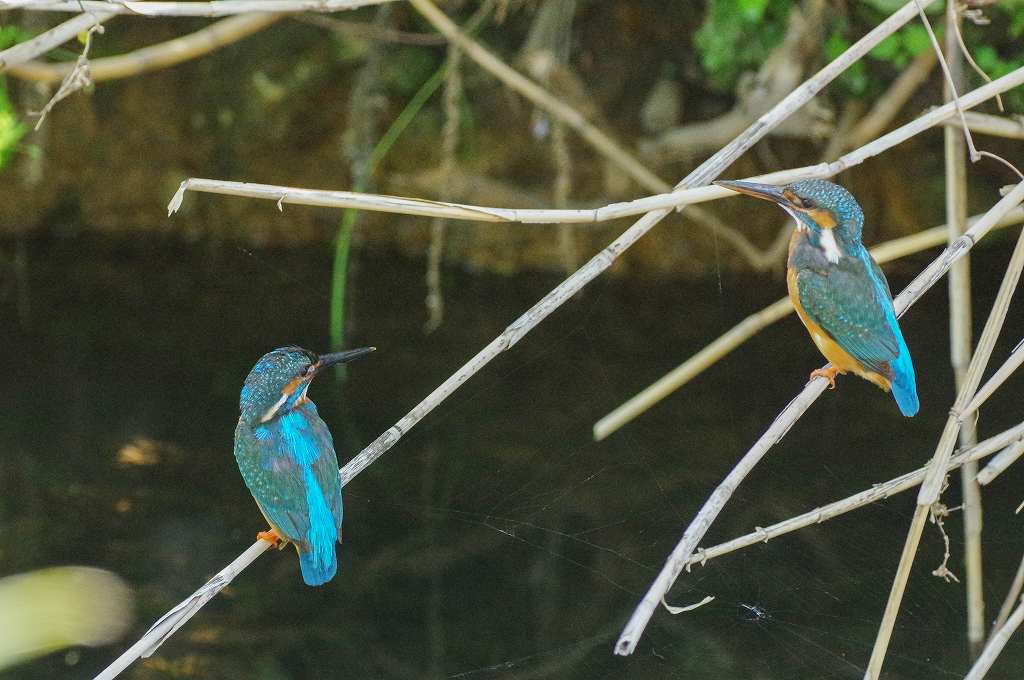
(827, 212)
(279, 380)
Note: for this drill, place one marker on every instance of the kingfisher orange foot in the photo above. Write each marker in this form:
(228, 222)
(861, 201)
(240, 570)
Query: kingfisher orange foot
(271, 537)
(827, 373)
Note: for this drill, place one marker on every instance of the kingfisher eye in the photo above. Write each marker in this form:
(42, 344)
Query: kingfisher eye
(809, 203)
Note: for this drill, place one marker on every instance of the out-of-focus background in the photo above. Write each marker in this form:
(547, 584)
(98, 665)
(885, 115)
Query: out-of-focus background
(497, 539)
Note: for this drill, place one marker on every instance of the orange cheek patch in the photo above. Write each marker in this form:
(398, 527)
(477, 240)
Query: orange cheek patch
(824, 218)
(291, 386)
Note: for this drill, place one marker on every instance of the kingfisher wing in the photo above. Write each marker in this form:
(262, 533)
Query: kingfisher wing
(274, 479)
(846, 302)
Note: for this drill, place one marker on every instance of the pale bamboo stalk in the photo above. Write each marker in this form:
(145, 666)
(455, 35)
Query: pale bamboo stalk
(987, 124)
(1012, 437)
(46, 41)
(998, 465)
(755, 323)
(539, 96)
(960, 335)
(153, 57)
(931, 488)
(678, 198)
(996, 644)
(997, 379)
(713, 505)
(1011, 596)
(215, 8)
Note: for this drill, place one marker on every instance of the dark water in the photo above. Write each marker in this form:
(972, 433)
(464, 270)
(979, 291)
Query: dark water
(496, 540)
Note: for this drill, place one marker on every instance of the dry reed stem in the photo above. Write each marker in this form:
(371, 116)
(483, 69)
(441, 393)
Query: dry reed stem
(931, 488)
(960, 335)
(997, 379)
(153, 57)
(1011, 597)
(215, 8)
(46, 41)
(995, 644)
(998, 465)
(755, 323)
(1004, 440)
(713, 505)
(678, 198)
(987, 124)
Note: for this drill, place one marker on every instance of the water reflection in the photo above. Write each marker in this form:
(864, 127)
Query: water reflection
(496, 540)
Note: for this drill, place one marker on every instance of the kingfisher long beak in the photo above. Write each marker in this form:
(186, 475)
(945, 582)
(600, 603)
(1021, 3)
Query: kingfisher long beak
(342, 357)
(766, 192)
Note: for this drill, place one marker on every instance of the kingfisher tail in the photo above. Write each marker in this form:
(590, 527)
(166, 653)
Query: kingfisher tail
(904, 385)
(320, 562)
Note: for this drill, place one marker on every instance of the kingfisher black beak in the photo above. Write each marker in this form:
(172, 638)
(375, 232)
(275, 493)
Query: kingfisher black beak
(327, 360)
(766, 192)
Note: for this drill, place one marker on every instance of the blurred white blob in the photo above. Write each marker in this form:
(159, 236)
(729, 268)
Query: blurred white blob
(46, 610)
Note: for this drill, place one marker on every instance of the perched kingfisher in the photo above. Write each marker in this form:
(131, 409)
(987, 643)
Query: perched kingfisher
(837, 288)
(287, 459)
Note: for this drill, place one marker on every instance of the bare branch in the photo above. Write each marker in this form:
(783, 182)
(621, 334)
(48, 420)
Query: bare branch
(214, 8)
(154, 57)
(46, 41)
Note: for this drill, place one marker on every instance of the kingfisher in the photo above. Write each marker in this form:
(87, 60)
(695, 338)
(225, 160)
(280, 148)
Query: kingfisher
(286, 455)
(838, 289)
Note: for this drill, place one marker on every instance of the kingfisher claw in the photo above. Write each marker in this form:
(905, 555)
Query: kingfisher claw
(271, 537)
(827, 373)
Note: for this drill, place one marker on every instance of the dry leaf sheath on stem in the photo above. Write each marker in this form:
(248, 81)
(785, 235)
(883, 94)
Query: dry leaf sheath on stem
(562, 293)
(681, 554)
(755, 323)
(931, 488)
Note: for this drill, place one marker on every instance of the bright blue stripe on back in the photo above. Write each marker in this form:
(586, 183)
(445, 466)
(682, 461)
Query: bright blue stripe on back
(321, 562)
(904, 382)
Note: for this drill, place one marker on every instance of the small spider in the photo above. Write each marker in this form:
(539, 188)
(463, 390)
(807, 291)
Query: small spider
(752, 613)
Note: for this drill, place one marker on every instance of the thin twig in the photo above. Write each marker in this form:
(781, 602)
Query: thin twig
(931, 488)
(76, 79)
(797, 407)
(362, 29)
(755, 323)
(1011, 598)
(46, 41)
(1012, 437)
(995, 645)
(215, 8)
(154, 57)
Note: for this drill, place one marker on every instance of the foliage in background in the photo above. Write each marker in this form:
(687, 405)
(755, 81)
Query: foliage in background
(11, 129)
(737, 35)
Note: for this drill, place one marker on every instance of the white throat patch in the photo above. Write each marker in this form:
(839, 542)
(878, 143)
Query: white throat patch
(829, 245)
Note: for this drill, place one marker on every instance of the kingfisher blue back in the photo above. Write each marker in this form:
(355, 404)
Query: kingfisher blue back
(286, 455)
